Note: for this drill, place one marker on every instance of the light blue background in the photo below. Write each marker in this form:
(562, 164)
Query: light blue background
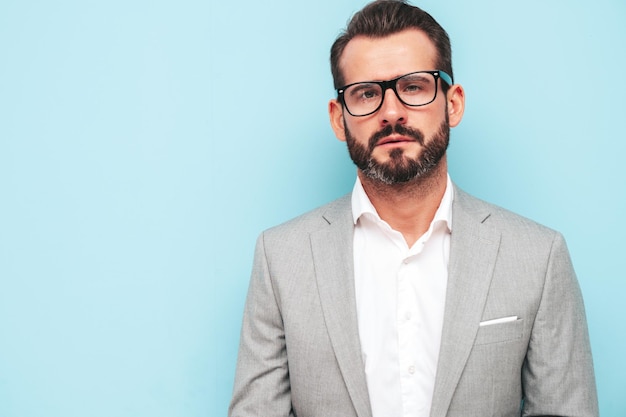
(145, 144)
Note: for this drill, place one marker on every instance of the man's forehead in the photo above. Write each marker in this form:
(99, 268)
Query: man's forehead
(409, 50)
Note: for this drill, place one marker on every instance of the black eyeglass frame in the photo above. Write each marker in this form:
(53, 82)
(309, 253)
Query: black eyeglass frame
(384, 85)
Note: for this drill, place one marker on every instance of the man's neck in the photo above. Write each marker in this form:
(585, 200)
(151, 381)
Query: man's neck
(409, 207)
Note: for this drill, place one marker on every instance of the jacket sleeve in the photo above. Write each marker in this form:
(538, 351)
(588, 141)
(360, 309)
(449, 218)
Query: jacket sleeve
(557, 376)
(262, 385)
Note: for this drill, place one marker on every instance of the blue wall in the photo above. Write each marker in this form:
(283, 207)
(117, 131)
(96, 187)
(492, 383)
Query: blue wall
(145, 144)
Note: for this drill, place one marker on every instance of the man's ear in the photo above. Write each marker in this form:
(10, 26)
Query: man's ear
(335, 112)
(456, 104)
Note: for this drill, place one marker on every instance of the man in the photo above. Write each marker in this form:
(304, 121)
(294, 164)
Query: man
(409, 297)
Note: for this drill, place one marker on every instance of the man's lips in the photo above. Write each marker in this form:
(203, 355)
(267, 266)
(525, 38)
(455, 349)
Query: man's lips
(394, 139)
(397, 135)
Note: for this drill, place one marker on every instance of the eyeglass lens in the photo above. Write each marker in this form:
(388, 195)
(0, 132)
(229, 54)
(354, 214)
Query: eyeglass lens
(415, 89)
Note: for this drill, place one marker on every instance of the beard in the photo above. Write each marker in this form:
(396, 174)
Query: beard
(399, 168)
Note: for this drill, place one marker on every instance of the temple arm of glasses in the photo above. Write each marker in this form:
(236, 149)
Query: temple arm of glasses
(444, 76)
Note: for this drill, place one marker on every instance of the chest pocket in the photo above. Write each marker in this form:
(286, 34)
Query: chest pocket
(499, 333)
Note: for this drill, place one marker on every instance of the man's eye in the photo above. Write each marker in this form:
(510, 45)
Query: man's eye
(413, 88)
(365, 93)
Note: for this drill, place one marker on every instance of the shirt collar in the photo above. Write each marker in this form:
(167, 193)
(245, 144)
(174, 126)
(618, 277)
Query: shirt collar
(362, 205)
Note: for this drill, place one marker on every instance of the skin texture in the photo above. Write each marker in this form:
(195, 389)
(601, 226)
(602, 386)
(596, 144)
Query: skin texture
(408, 206)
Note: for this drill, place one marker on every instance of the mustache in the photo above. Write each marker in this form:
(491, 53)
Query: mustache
(415, 134)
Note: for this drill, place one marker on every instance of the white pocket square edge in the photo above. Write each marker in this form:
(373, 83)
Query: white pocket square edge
(497, 321)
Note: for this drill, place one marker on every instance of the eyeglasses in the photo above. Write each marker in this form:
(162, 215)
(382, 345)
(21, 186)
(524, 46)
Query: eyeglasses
(414, 89)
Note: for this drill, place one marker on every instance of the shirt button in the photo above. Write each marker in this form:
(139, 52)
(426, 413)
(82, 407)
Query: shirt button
(408, 315)
(411, 369)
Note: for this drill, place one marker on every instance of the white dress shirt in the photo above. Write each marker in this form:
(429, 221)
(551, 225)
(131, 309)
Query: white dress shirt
(400, 298)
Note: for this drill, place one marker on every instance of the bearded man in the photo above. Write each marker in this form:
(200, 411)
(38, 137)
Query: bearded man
(409, 297)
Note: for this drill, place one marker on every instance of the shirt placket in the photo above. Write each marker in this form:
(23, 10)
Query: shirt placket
(408, 329)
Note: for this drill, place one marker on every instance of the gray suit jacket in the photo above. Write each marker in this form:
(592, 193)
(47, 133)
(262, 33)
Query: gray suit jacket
(300, 353)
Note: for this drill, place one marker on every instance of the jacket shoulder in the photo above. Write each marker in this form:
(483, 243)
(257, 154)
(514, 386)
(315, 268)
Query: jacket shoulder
(339, 210)
(499, 217)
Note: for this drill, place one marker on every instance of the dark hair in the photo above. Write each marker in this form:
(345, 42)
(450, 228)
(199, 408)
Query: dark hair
(386, 17)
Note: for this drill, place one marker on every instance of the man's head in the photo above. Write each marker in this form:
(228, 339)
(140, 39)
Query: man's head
(393, 73)
(383, 18)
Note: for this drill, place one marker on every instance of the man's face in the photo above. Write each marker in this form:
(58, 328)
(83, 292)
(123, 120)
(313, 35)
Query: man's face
(397, 143)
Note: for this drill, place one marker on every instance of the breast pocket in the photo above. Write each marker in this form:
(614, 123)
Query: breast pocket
(499, 333)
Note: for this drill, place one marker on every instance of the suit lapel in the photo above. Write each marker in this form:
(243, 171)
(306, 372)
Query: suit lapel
(473, 250)
(334, 271)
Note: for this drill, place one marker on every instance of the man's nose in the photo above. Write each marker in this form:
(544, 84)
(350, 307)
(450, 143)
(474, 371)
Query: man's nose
(392, 110)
